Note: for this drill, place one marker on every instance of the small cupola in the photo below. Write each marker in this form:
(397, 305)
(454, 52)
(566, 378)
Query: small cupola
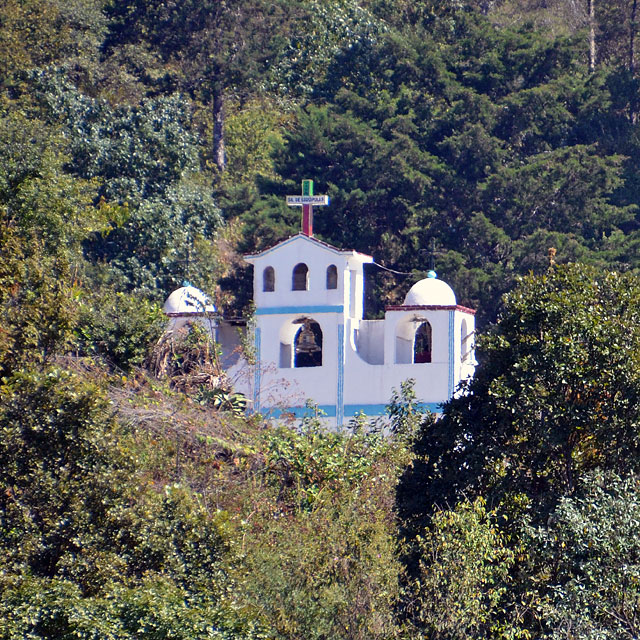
(188, 300)
(430, 292)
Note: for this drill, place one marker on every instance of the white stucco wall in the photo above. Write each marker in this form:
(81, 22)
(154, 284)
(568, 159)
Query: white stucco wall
(360, 365)
(317, 256)
(371, 386)
(369, 342)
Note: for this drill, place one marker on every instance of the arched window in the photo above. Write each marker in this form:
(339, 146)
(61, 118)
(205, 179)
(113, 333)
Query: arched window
(422, 344)
(300, 279)
(308, 345)
(269, 279)
(332, 277)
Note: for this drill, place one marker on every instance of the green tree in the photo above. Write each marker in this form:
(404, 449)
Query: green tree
(36, 302)
(464, 565)
(39, 198)
(554, 397)
(37, 33)
(566, 188)
(118, 327)
(144, 161)
(589, 561)
(89, 544)
(437, 128)
(212, 49)
(321, 32)
(321, 554)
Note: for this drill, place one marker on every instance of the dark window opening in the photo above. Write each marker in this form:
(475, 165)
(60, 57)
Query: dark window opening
(300, 280)
(269, 279)
(332, 277)
(422, 344)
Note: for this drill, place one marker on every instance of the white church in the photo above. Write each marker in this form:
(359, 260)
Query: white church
(313, 351)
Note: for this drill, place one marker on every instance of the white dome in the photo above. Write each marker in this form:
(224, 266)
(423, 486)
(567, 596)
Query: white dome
(430, 291)
(188, 299)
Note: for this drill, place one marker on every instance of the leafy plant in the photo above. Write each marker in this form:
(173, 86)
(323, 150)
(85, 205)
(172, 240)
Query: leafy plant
(463, 573)
(118, 327)
(321, 552)
(589, 561)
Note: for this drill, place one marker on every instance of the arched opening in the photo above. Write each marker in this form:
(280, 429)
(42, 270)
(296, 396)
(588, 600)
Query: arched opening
(422, 344)
(332, 277)
(269, 279)
(307, 345)
(300, 279)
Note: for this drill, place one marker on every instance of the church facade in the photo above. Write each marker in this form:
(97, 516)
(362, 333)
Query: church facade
(313, 350)
(312, 342)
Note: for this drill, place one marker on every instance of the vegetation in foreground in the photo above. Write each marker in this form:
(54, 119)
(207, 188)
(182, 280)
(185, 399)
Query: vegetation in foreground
(134, 507)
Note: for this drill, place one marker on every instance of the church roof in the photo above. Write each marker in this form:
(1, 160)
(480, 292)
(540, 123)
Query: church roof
(301, 236)
(188, 300)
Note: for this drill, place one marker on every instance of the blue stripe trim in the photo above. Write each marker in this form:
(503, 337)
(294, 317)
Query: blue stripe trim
(451, 352)
(351, 410)
(340, 396)
(314, 308)
(257, 374)
(328, 411)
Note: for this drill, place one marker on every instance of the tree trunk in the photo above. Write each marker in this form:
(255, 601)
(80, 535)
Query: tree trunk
(218, 130)
(631, 62)
(632, 36)
(592, 34)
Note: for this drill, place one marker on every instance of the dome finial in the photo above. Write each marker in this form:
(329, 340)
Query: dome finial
(431, 274)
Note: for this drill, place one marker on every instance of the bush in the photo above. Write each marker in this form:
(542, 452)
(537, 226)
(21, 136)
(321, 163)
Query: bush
(119, 328)
(89, 546)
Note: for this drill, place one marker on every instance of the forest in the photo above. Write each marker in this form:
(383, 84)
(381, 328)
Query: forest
(144, 143)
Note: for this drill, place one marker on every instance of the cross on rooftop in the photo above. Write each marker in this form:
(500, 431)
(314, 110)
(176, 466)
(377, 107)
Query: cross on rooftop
(307, 201)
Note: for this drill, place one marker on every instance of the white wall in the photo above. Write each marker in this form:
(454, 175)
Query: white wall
(367, 384)
(317, 256)
(369, 369)
(293, 386)
(370, 341)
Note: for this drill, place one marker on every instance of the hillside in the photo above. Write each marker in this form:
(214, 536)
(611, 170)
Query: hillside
(145, 143)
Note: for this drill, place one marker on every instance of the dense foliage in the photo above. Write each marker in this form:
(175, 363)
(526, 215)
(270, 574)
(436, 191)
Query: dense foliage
(546, 435)
(144, 143)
